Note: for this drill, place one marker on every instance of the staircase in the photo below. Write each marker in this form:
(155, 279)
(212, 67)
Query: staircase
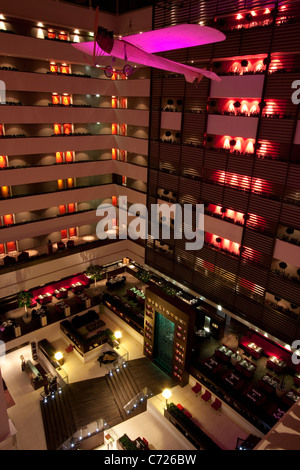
(125, 390)
(57, 418)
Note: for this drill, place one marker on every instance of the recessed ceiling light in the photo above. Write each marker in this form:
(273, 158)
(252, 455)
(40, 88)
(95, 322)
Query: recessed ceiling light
(2, 17)
(40, 25)
(76, 31)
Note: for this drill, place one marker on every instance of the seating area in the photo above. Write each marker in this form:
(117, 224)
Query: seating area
(84, 333)
(254, 375)
(115, 282)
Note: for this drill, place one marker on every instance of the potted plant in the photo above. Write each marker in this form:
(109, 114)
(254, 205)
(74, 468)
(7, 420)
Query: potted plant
(24, 300)
(94, 272)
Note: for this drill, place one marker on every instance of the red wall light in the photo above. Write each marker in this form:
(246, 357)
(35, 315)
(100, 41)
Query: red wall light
(114, 129)
(51, 34)
(57, 129)
(69, 156)
(64, 69)
(67, 128)
(64, 234)
(114, 154)
(114, 201)
(66, 100)
(53, 67)
(8, 219)
(55, 98)
(59, 157)
(62, 209)
(3, 162)
(11, 246)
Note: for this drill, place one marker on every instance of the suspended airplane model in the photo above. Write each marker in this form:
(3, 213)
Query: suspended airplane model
(141, 48)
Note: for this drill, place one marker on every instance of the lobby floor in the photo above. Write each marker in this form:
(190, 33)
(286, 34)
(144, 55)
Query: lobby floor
(226, 425)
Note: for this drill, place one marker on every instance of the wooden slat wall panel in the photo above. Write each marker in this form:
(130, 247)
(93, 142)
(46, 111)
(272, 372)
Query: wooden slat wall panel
(149, 257)
(196, 98)
(207, 255)
(200, 55)
(169, 157)
(279, 325)
(288, 62)
(264, 207)
(163, 263)
(189, 191)
(235, 198)
(212, 193)
(229, 47)
(286, 38)
(290, 215)
(173, 87)
(153, 179)
(278, 92)
(227, 262)
(258, 242)
(292, 182)
(254, 274)
(269, 170)
(156, 87)
(155, 125)
(192, 157)
(285, 289)
(215, 160)
(169, 182)
(277, 130)
(240, 164)
(255, 39)
(251, 310)
(193, 128)
(202, 10)
(202, 283)
(154, 154)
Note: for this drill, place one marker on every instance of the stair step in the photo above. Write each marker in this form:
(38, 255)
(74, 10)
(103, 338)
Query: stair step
(116, 397)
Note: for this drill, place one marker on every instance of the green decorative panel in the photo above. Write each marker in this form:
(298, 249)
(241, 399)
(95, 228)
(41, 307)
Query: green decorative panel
(163, 342)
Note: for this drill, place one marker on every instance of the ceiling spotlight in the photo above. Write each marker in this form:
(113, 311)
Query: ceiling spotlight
(2, 17)
(40, 25)
(76, 31)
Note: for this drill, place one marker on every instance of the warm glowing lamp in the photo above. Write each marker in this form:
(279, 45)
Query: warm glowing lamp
(166, 394)
(118, 335)
(59, 358)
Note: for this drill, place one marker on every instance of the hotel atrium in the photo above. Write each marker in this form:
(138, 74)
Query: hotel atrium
(126, 318)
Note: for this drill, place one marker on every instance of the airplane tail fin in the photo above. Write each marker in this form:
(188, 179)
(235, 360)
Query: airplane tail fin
(193, 77)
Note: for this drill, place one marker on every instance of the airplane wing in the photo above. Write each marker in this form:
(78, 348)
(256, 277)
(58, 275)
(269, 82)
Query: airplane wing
(175, 37)
(88, 48)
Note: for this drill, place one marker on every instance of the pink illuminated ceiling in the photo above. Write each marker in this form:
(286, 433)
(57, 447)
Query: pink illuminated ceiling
(139, 48)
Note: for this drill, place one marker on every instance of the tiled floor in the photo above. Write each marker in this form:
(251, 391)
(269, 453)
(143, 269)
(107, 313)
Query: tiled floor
(226, 425)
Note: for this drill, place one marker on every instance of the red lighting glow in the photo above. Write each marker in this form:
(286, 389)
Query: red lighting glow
(2, 161)
(114, 154)
(69, 156)
(59, 157)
